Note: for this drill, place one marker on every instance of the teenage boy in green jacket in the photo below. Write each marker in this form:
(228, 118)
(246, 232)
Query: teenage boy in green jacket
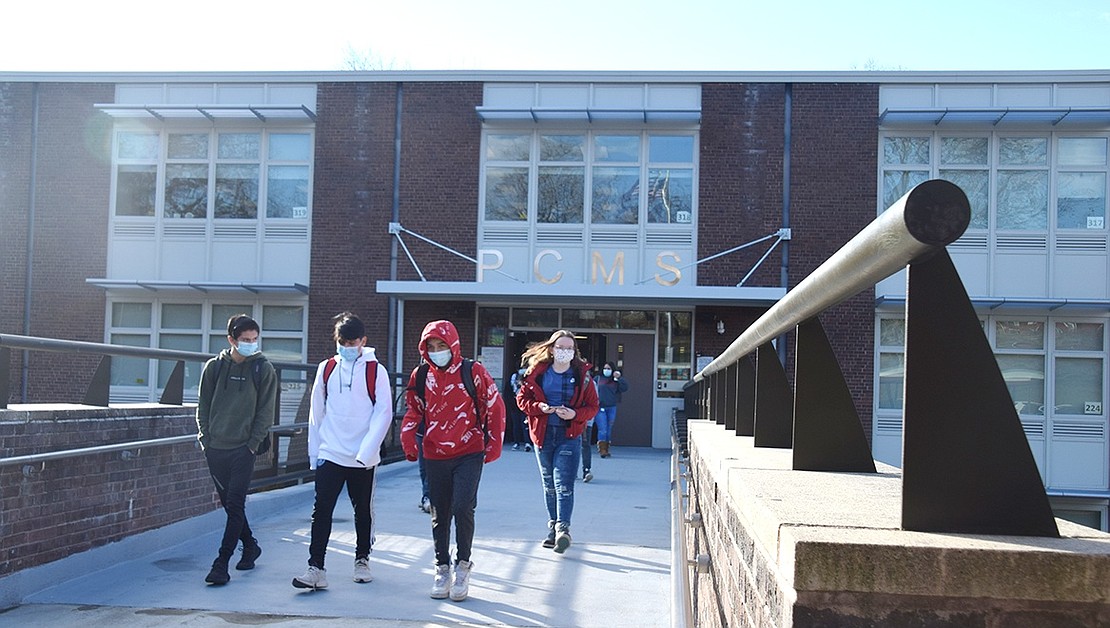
(238, 392)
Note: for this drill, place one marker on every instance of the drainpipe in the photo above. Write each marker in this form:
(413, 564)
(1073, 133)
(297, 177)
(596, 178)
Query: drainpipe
(785, 264)
(395, 217)
(28, 283)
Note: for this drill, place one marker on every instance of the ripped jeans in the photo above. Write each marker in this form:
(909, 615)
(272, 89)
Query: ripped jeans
(558, 460)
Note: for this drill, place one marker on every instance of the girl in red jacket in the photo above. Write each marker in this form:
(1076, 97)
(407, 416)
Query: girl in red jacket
(558, 398)
(460, 434)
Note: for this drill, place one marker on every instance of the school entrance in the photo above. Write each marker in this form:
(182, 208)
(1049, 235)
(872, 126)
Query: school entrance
(652, 349)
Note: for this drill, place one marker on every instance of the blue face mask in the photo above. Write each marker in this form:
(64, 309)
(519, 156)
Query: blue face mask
(607, 372)
(247, 349)
(349, 354)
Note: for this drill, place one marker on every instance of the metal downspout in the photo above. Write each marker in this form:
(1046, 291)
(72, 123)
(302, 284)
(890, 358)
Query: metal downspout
(395, 217)
(28, 283)
(785, 265)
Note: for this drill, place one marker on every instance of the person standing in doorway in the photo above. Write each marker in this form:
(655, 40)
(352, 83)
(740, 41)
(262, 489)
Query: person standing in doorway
(610, 386)
(518, 425)
(350, 412)
(235, 408)
(559, 399)
(457, 407)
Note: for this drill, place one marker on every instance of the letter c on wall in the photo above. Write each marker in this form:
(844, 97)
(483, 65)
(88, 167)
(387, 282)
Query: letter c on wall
(536, 266)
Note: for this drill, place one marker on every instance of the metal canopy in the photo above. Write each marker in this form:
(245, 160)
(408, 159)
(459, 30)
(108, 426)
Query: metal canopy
(548, 114)
(1061, 117)
(162, 112)
(156, 285)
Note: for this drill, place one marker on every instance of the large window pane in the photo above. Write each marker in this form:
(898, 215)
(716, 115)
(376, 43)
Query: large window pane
(187, 146)
(282, 349)
(287, 192)
(670, 195)
(135, 189)
(617, 148)
(562, 148)
(535, 317)
(674, 353)
(897, 182)
(180, 316)
(221, 315)
(1071, 336)
(1082, 151)
(130, 371)
(509, 147)
(236, 191)
(290, 146)
(974, 183)
(239, 146)
(186, 191)
(1024, 375)
(137, 145)
(131, 315)
(1023, 151)
(892, 369)
(671, 148)
(1023, 200)
(1081, 200)
(906, 151)
(561, 194)
(1079, 384)
(970, 151)
(892, 332)
(282, 318)
(1019, 335)
(616, 195)
(506, 193)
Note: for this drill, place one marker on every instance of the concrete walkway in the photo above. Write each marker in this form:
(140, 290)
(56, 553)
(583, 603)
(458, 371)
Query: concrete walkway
(617, 572)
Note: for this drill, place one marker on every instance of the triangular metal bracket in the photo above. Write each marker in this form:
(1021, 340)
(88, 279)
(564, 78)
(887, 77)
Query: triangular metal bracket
(174, 392)
(774, 401)
(828, 435)
(967, 465)
(745, 397)
(97, 393)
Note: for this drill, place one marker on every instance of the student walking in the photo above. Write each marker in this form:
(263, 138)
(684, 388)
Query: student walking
(235, 408)
(559, 399)
(610, 386)
(457, 407)
(350, 412)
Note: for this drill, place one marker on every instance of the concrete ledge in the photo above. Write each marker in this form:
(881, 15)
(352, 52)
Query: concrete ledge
(838, 536)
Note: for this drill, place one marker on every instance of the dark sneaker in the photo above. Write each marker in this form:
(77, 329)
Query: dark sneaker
(250, 554)
(562, 541)
(549, 542)
(218, 574)
(587, 476)
(527, 448)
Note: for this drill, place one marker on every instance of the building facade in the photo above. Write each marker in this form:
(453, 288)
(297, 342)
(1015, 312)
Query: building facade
(655, 215)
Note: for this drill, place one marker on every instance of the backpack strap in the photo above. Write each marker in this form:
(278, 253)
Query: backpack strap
(467, 372)
(371, 377)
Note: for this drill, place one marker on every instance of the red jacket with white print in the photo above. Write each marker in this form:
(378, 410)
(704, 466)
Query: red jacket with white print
(451, 425)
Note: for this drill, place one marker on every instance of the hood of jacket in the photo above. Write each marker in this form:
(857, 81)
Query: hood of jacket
(445, 331)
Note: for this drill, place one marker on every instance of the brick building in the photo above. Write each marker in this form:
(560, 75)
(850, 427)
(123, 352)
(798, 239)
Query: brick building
(149, 208)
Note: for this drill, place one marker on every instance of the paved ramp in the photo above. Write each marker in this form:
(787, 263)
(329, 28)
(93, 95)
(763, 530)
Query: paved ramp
(617, 572)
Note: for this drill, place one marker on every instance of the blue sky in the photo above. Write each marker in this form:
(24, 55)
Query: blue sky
(707, 35)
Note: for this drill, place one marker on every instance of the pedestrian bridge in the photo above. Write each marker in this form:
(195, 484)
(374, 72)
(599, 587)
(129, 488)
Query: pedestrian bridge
(617, 572)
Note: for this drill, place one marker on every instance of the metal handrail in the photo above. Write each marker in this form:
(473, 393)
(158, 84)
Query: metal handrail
(682, 607)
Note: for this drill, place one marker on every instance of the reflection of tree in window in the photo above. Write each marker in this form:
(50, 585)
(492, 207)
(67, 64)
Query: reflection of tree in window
(186, 191)
(135, 186)
(506, 193)
(561, 194)
(616, 195)
(670, 196)
(236, 191)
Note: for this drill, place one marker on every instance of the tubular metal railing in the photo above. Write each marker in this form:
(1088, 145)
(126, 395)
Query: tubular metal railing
(966, 466)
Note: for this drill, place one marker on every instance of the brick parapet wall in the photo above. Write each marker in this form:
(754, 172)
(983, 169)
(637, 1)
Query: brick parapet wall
(797, 548)
(53, 509)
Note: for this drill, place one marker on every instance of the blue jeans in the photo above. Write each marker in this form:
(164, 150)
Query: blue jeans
(605, 418)
(558, 460)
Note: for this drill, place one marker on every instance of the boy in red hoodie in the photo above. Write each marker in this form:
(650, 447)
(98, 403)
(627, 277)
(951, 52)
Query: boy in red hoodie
(461, 433)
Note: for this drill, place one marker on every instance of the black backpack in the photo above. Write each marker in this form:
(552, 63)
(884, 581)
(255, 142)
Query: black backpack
(420, 385)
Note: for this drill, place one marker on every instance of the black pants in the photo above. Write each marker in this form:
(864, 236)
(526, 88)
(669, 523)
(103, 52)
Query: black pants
(330, 478)
(453, 492)
(231, 470)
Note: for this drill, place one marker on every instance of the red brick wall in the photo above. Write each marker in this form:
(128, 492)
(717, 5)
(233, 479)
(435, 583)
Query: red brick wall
(70, 230)
(51, 510)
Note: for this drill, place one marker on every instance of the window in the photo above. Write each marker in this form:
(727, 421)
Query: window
(598, 178)
(196, 175)
(1080, 372)
(1019, 349)
(892, 363)
(1015, 183)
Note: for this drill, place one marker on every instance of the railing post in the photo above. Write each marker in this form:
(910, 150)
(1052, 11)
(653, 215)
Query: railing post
(97, 393)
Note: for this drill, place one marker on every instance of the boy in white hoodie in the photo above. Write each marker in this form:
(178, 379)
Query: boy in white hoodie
(346, 426)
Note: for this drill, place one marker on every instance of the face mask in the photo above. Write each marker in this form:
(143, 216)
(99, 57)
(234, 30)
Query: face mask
(563, 356)
(350, 354)
(247, 349)
(440, 358)
(607, 372)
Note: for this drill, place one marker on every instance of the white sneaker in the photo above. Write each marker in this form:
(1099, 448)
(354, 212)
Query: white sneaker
(587, 476)
(461, 588)
(442, 582)
(425, 505)
(362, 570)
(314, 578)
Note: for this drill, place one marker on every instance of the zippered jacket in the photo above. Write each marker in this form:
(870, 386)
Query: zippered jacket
(235, 411)
(583, 401)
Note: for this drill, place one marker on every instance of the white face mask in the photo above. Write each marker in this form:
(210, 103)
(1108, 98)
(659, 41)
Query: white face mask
(440, 358)
(563, 356)
(247, 349)
(350, 354)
